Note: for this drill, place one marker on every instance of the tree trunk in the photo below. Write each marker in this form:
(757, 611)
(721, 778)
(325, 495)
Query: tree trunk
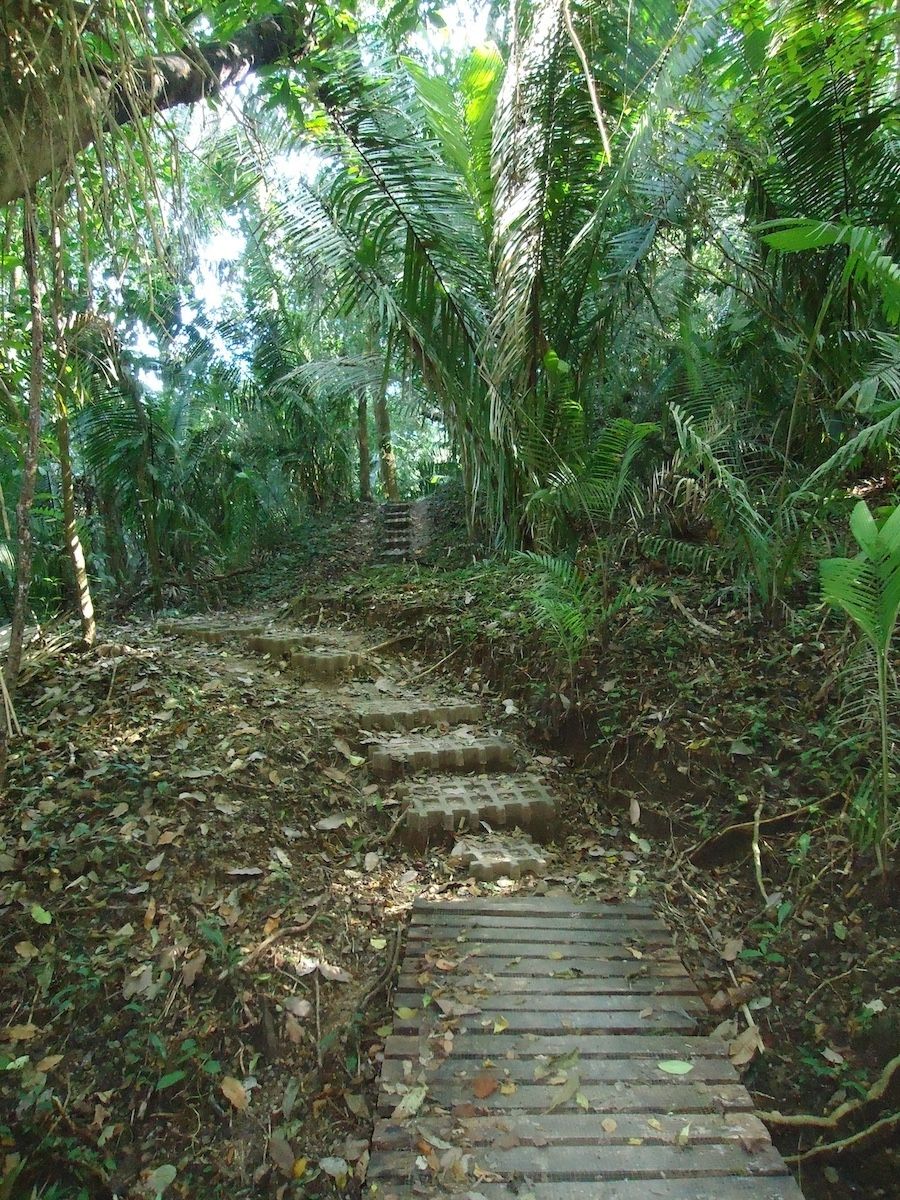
(386, 461)
(74, 549)
(148, 500)
(43, 123)
(362, 437)
(29, 471)
(113, 543)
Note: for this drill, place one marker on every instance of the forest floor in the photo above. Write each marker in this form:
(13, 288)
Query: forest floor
(203, 893)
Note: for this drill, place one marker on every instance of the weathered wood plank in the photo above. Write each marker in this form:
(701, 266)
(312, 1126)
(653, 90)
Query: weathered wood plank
(572, 1129)
(601, 927)
(595, 1001)
(680, 1097)
(519, 964)
(713, 1188)
(538, 906)
(576, 985)
(597, 1162)
(531, 1070)
(557, 1022)
(543, 950)
(614, 1046)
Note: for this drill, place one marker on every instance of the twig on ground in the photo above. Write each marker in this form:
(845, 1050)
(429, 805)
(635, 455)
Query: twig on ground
(875, 1092)
(440, 663)
(695, 621)
(401, 637)
(876, 1130)
(384, 978)
(757, 856)
(287, 931)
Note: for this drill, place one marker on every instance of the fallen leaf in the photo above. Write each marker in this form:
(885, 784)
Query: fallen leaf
(281, 1154)
(484, 1085)
(337, 1168)
(154, 863)
(335, 974)
(297, 1006)
(675, 1066)
(157, 1181)
(192, 968)
(40, 915)
(357, 1105)
(609, 1125)
(745, 1046)
(235, 1093)
(242, 871)
(21, 1033)
(411, 1103)
(501, 1024)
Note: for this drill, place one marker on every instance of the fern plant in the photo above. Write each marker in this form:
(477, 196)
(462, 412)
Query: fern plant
(572, 606)
(867, 588)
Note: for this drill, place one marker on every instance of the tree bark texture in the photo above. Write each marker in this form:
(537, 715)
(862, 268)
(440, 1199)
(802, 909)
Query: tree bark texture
(74, 548)
(386, 460)
(71, 540)
(43, 124)
(29, 469)
(362, 437)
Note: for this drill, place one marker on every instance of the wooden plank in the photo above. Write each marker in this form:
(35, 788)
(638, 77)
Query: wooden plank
(539, 906)
(598, 1162)
(595, 1001)
(519, 964)
(614, 1046)
(597, 1070)
(453, 926)
(681, 1097)
(513, 985)
(542, 951)
(556, 1022)
(572, 1129)
(781, 1187)
(465, 936)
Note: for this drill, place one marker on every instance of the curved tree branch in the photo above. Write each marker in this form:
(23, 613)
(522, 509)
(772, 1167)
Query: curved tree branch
(43, 125)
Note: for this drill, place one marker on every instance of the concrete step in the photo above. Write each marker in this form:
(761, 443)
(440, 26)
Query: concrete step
(438, 808)
(487, 857)
(213, 633)
(280, 644)
(448, 752)
(397, 554)
(414, 714)
(325, 663)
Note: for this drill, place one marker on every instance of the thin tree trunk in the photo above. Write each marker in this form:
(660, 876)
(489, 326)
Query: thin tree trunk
(74, 548)
(72, 541)
(362, 438)
(29, 471)
(386, 461)
(146, 491)
(114, 545)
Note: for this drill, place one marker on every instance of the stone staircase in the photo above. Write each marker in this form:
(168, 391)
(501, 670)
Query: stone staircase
(396, 532)
(458, 783)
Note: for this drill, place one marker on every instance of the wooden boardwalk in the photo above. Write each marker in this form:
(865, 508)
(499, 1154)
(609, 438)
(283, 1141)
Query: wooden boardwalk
(544, 1050)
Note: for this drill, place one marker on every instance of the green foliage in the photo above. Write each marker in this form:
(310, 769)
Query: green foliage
(867, 588)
